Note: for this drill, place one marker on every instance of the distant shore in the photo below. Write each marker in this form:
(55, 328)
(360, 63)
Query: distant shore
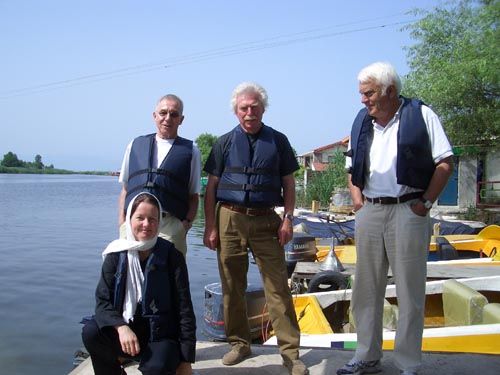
(21, 170)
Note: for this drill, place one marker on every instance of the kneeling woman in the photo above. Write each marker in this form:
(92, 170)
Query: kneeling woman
(143, 303)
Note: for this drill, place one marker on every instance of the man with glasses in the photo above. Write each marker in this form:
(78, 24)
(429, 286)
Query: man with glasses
(167, 166)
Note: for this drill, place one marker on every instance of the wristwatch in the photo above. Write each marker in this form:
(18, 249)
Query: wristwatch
(289, 217)
(427, 203)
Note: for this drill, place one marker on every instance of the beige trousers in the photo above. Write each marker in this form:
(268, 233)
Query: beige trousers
(238, 233)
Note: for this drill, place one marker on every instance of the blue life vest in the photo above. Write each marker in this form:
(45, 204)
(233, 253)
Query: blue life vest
(251, 177)
(414, 165)
(170, 182)
(157, 301)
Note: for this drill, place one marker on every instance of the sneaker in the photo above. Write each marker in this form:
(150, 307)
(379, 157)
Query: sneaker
(295, 366)
(360, 367)
(236, 355)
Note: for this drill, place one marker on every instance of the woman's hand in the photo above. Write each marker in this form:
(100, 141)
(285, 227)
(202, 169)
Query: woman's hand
(184, 368)
(128, 340)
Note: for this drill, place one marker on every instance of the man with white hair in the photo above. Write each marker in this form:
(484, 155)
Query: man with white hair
(399, 160)
(251, 172)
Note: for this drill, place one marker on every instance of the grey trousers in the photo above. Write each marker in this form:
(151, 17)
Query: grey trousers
(390, 235)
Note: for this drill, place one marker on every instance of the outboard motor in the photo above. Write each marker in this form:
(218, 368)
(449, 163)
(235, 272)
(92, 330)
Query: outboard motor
(301, 248)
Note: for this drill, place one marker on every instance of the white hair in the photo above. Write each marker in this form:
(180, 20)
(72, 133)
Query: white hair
(383, 73)
(249, 87)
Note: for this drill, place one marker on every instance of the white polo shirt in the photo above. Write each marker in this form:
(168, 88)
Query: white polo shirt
(163, 147)
(380, 179)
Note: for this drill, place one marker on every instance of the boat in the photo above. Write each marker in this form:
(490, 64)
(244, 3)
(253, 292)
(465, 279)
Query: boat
(486, 243)
(461, 316)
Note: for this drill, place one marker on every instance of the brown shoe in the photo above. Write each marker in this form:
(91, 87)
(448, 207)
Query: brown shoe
(295, 366)
(236, 355)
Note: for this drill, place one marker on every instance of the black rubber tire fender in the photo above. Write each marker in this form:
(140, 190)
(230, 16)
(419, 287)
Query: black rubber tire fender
(327, 281)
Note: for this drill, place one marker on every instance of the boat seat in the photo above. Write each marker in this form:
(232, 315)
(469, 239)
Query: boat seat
(462, 305)
(389, 318)
(491, 313)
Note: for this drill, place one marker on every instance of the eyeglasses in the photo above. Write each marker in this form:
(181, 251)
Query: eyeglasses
(173, 114)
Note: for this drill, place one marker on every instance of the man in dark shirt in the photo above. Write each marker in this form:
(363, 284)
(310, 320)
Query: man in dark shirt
(251, 172)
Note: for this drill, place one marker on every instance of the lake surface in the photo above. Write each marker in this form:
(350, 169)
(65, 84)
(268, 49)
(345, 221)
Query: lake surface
(53, 229)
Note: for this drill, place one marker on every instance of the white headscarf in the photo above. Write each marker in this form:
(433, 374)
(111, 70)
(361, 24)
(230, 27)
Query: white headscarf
(135, 277)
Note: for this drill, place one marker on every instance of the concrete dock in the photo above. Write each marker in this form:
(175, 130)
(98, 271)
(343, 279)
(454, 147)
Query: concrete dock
(266, 360)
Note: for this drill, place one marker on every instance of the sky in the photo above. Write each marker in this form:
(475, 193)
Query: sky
(80, 79)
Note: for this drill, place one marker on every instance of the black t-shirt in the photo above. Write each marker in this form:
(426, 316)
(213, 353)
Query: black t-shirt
(216, 160)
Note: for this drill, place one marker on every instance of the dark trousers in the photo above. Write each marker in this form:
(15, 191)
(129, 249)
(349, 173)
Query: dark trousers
(156, 358)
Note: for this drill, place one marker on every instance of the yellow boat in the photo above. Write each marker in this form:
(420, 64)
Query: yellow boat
(460, 316)
(484, 244)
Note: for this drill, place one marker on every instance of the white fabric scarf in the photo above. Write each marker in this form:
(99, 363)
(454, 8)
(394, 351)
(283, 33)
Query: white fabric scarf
(135, 276)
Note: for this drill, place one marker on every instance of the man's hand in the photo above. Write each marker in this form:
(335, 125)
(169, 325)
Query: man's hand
(419, 209)
(128, 340)
(211, 238)
(357, 204)
(285, 231)
(187, 224)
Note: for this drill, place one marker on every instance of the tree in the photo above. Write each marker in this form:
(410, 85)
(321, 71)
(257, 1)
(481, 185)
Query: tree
(10, 160)
(205, 142)
(38, 162)
(322, 184)
(454, 68)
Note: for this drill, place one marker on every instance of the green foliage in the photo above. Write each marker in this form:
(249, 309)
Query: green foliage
(28, 170)
(10, 160)
(321, 184)
(38, 162)
(205, 142)
(454, 67)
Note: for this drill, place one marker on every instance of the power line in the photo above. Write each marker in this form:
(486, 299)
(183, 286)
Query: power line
(237, 49)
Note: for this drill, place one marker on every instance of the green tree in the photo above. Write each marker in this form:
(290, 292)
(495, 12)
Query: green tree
(38, 162)
(322, 184)
(205, 142)
(10, 160)
(454, 67)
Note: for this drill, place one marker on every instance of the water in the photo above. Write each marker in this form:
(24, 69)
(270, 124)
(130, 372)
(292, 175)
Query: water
(53, 229)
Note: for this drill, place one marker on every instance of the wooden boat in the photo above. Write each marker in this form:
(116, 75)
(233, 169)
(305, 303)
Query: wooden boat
(460, 316)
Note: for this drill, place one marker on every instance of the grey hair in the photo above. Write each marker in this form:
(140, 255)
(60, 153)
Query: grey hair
(383, 74)
(173, 97)
(249, 87)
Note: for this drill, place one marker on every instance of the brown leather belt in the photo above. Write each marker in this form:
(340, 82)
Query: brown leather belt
(250, 211)
(395, 200)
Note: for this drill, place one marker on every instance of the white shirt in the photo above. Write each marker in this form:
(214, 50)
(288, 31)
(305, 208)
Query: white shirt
(162, 149)
(381, 180)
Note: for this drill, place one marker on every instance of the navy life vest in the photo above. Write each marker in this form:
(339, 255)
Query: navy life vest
(414, 165)
(251, 177)
(170, 182)
(157, 300)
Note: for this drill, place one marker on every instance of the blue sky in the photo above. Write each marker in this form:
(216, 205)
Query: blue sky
(80, 79)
